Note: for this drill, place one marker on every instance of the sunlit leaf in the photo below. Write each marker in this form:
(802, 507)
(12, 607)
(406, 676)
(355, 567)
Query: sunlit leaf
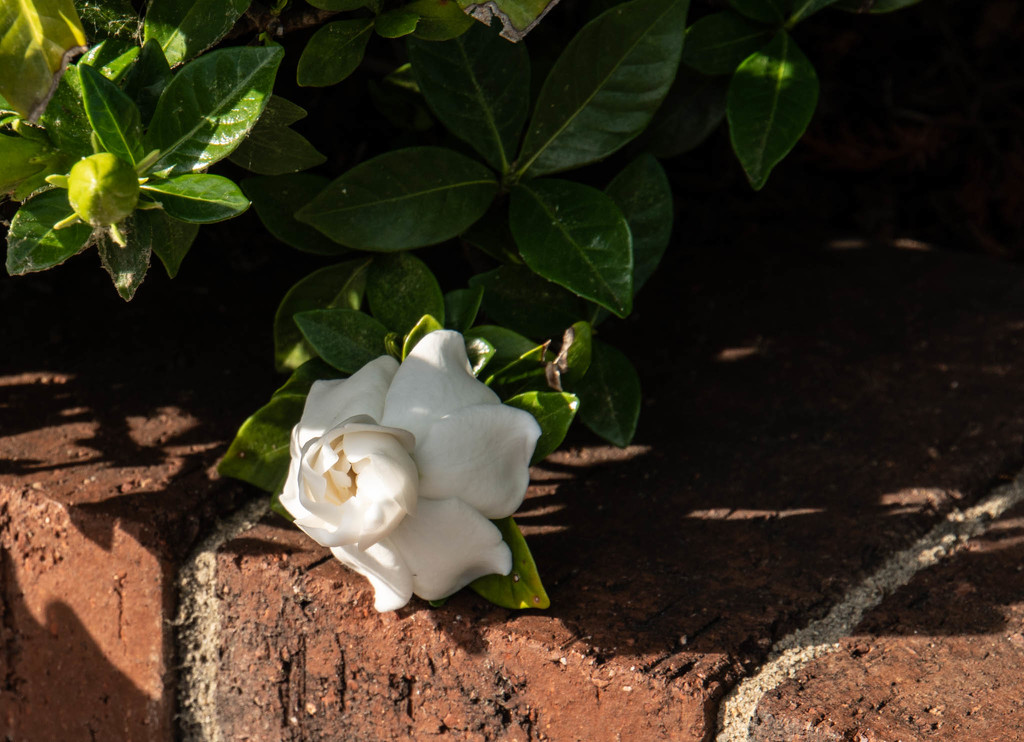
(184, 28)
(32, 242)
(521, 588)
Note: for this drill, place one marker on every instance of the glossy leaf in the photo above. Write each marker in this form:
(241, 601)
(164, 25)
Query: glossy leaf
(610, 395)
(32, 242)
(521, 588)
(400, 289)
(260, 454)
(717, 43)
(272, 148)
(771, 101)
(508, 345)
(576, 236)
(461, 307)
(345, 338)
(554, 412)
(65, 120)
(517, 17)
(516, 297)
(803, 9)
(478, 85)
(396, 23)
(126, 265)
(440, 20)
(277, 198)
(479, 352)
(108, 19)
(605, 86)
(421, 329)
(643, 194)
(113, 116)
(403, 199)
(693, 108)
(763, 11)
(113, 58)
(210, 105)
(20, 160)
(339, 286)
(37, 39)
(200, 198)
(147, 78)
(169, 238)
(334, 52)
(526, 373)
(184, 28)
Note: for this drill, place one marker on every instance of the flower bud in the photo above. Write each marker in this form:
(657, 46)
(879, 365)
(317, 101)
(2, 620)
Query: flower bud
(103, 189)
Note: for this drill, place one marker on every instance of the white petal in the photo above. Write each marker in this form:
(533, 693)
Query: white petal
(447, 545)
(481, 455)
(384, 567)
(433, 381)
(331, 402)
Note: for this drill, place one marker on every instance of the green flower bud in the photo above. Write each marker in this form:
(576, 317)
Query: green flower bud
(103, 189)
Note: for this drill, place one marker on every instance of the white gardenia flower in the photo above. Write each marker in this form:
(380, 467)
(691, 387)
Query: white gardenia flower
(400, 468)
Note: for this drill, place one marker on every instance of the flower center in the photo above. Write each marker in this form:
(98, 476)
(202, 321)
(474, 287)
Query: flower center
(340, 473)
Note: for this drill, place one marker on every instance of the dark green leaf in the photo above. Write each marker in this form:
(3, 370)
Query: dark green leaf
(605, 86)
(522, 587)
(461, 307)
(210, 105)
(65, 120)
(113, 116)
(576, 236)
(400, 289)
(526, 373)
(576, 353)
(717, 43)
(508, 345)
(339, 4)
(693, 108)
(771, 12)
(170, 239)
(32, 242)
(277, 198)
(148, 78)
(478, 85)
(610, 395)
(184, 28)
(108, 19)
(492, 236)
(516, 297)
(803, 9)
(197, 197)
(274, 149)
(440, 20)
(345, 338)
(421, 329)
(554, 412)
(403, 199)
(260, 452)
(874, 6)
(20, 160)
(336, 286)
(642, 193)
(302, 378)
(112, 58)
(771, 101)
(397, 23)
(126, 265)
(334, 52)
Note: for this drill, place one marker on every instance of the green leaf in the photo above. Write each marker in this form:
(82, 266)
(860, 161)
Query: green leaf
(440, 20)
(126, 265)
(32, 242)
(718, 43)
(576, 236)
(643, 194)
(20, 160)
(478, 85)
(526, 373)
(108, 19)
(771, 101)
(771, 12)
(113, 116)
(874, 6)
(334, 52)
(403, 199)
(65, 120)
(554, 412)
(400, 289)
(260, 452)
(112, 58)
(479, 352)
(522, 587)
(169, 238)
(610, 395)
(302, 378)
(345, 338)
(803, 9)
(197, 197)
(508, 345)
(277, 198)
(272, 148)
(693, 108)
(461, 307)
(492, 236)
(148, 78)
(605, 86)
(37, 39)
(184, 28)
(517, 17)
(336, 286)
(210, 105)
(576, 353)
(516, 297)
(421, 329)
(397, 23)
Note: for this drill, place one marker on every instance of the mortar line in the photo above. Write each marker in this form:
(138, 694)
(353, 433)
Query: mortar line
(197, 626)
(821, 637)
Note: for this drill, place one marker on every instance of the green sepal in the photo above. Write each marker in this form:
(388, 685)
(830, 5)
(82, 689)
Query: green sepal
(522, 587)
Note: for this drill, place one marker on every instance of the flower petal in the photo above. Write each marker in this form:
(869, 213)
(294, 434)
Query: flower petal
(481, 455)
(331, 402)
(433, 381)
(384, 567)
(447, 545)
